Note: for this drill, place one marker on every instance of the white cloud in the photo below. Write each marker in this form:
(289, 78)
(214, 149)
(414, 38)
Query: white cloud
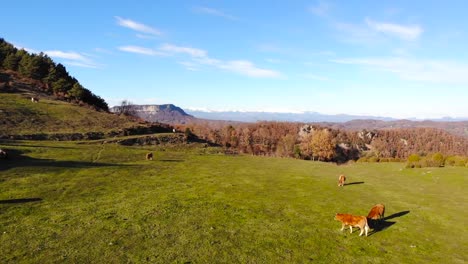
(187, 50)
(214, 12)
(248, 68)
(145, 36)
(66, 55)
(320, 9)
(356, 33)
(407, 32)
(199, 57)
(415, 70)
(142, 50)
(20, 47)
(189, 65)
(72, 58)
(137, 26)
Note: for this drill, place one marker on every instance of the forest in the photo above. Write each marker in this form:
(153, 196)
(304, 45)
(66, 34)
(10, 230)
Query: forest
(51, 78)
(315, 142)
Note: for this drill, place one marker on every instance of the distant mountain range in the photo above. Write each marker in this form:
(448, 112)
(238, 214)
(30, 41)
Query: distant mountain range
(272, 116)
(171, 114)
(304, 117)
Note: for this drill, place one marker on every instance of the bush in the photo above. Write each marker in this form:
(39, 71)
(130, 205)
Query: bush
(373, 159)
(384, 160)
(414, 158)
(437, 160)
(456, 161)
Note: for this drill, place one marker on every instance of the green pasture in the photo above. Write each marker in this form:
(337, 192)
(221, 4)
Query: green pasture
(92, 202)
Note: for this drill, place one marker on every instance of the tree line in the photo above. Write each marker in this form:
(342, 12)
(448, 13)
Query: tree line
(316, 142)
(54, 77)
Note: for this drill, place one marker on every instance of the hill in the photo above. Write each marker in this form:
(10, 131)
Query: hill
(55, 117)
(166, 113)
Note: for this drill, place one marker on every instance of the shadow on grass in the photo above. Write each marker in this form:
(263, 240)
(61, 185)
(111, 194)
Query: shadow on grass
(171, 160)
(18, 201)
(16, 159)
(402, 213)
(352, 183)
(383, 224)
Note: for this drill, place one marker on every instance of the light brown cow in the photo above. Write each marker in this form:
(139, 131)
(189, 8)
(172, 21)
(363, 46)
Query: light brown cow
(377, 212)
(149, 156)
(353, 221)
(341, 180)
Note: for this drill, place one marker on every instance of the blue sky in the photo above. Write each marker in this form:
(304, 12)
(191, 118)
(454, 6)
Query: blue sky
(388, 58)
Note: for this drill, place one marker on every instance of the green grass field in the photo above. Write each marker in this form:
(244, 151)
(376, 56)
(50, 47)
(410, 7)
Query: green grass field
(87, 202)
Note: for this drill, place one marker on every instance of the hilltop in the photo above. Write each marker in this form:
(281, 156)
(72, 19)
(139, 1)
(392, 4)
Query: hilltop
(166, 113)
(19, 116)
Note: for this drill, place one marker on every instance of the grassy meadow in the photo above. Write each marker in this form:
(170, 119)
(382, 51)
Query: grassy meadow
(19, 116)
(88, 202)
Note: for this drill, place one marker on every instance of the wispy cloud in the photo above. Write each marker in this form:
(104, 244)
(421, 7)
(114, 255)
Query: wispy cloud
(248, 68)
(142, 50)
(199, 57)
(407, 32)
(356, 33)
(73, 58)
(415, 69)
(189, 65)
(142, 28)
(187, 50)
(214, 12)
(320, 9)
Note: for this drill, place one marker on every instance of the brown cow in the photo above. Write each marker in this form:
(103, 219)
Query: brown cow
(35, 99)
(353, 221)
(341, 180)
(149, 156)
(377, 212)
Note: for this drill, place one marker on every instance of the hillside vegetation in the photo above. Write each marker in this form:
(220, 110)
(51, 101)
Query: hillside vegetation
(20, 116)
(103, 203)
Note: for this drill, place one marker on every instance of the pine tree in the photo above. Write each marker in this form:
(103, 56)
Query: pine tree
(11, 62)
(77, 91)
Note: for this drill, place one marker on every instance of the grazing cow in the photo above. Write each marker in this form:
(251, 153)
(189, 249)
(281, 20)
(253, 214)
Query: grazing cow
(35, 99)
(3, 154)
(341, 180)
(149, 156)
(353, 221)
(173, 130)
(377, 212)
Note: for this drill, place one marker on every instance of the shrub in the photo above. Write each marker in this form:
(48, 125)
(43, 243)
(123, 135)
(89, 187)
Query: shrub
(373, 159)
(414, 158)
(456, 161)
(384, 160)
(413, 161)
(437, 160)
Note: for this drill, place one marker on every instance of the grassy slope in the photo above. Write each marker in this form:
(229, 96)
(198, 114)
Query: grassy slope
(104, 203)
(19, 116)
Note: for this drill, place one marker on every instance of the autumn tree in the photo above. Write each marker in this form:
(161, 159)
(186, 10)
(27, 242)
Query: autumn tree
(323, 145)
